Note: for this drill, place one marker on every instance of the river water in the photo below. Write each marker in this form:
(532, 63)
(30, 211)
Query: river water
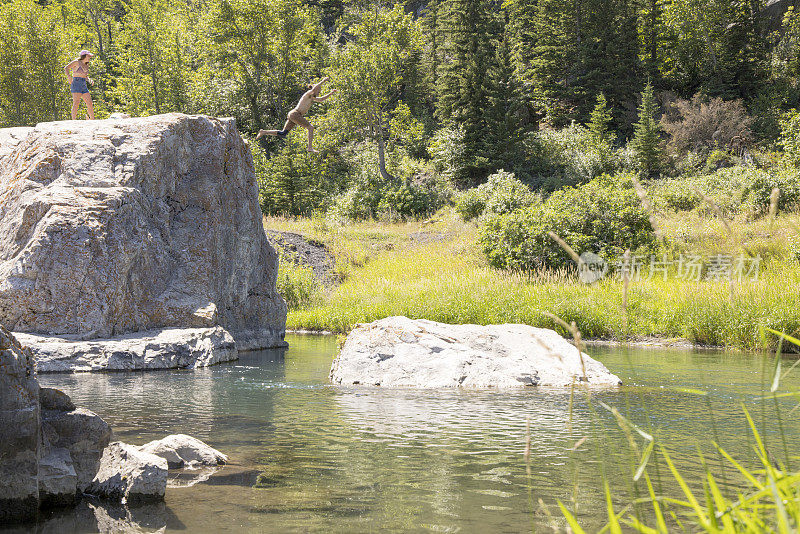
(307, 456)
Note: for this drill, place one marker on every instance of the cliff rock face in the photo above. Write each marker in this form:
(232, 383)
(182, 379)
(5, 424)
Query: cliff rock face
(118, 226)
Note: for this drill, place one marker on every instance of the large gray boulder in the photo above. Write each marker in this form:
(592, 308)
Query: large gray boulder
(129, 475)
(170, 348)
(180, 450)
(118, 226)
(20, 446)
(397, 352)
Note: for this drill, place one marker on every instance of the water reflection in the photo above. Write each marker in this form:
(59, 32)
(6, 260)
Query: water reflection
(105, 518)
(308, 456)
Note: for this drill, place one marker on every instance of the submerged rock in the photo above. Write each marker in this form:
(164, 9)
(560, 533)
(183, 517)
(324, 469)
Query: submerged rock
(397, 351)
(19, 432)
(180, 450)
(129, 475)
(170, 348)
(112, 227)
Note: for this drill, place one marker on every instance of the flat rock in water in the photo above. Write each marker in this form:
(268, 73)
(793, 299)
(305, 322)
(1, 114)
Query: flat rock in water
(398, 352)
(181, 450)
(112, 227)
(170, 348)
(129, 475)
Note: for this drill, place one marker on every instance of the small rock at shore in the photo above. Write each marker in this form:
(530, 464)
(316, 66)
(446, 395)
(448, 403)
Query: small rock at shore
(398, 352)
(129, 475)
(81, 432)
(180, 450)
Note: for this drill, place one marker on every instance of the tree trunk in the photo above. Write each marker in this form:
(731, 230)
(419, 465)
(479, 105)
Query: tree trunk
(382, 154)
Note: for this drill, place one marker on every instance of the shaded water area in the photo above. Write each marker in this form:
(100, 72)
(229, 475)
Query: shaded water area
(307, 456)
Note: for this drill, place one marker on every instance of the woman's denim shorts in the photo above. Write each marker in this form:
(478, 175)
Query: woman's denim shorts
(78, 85)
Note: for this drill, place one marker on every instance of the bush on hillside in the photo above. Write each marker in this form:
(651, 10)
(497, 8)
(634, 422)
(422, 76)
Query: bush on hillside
(604, 216)
(738, 191)
(700, 124)
(449, 154)
(502, 193)
(297, 283)
(417, 192)
(790, 136)
(570, 156)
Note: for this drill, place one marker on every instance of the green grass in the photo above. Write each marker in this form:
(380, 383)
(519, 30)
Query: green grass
(388, 272)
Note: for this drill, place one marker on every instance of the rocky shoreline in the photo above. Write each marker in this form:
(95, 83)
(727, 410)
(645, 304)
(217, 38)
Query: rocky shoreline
(53, 453)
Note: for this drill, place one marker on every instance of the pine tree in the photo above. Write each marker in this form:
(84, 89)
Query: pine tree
(467, 28)
(429, 23)
(522, 36)
(502, 139)
(582, 48)
(600, 120)
(651, 28)
(554, 61)
(646, 142)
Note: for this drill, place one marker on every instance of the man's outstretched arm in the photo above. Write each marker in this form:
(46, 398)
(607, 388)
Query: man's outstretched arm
(318, 85)
(323, 98)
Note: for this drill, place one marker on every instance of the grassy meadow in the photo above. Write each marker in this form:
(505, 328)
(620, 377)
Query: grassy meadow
(435, 269)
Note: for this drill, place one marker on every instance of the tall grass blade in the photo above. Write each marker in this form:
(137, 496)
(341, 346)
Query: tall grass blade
(573, 523)
(783, 517)
(613, 520)
(787, 337)
(661, 521)
(645, 458)
(692, 500)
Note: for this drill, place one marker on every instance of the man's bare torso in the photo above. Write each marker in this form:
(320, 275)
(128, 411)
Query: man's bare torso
(305, 102)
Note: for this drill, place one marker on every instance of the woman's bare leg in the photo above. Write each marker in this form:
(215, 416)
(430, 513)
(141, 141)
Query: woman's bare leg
(76, 102)
(87, 98)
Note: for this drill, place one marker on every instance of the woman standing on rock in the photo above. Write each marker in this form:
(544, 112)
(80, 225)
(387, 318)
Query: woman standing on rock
(77, 72)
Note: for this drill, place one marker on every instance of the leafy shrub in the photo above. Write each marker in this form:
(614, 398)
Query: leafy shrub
(471, 204)
(570, 156)
(502, 193)
(699, 124)
(759, 190)
(409, 200)
(719, 159)
(297, 283)
(449, 154)
(370, 196)
(678, 197)
(790, 136)
(604, 216)
(736, 190)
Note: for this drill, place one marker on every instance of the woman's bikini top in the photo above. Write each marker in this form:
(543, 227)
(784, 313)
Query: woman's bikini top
(80, 69)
